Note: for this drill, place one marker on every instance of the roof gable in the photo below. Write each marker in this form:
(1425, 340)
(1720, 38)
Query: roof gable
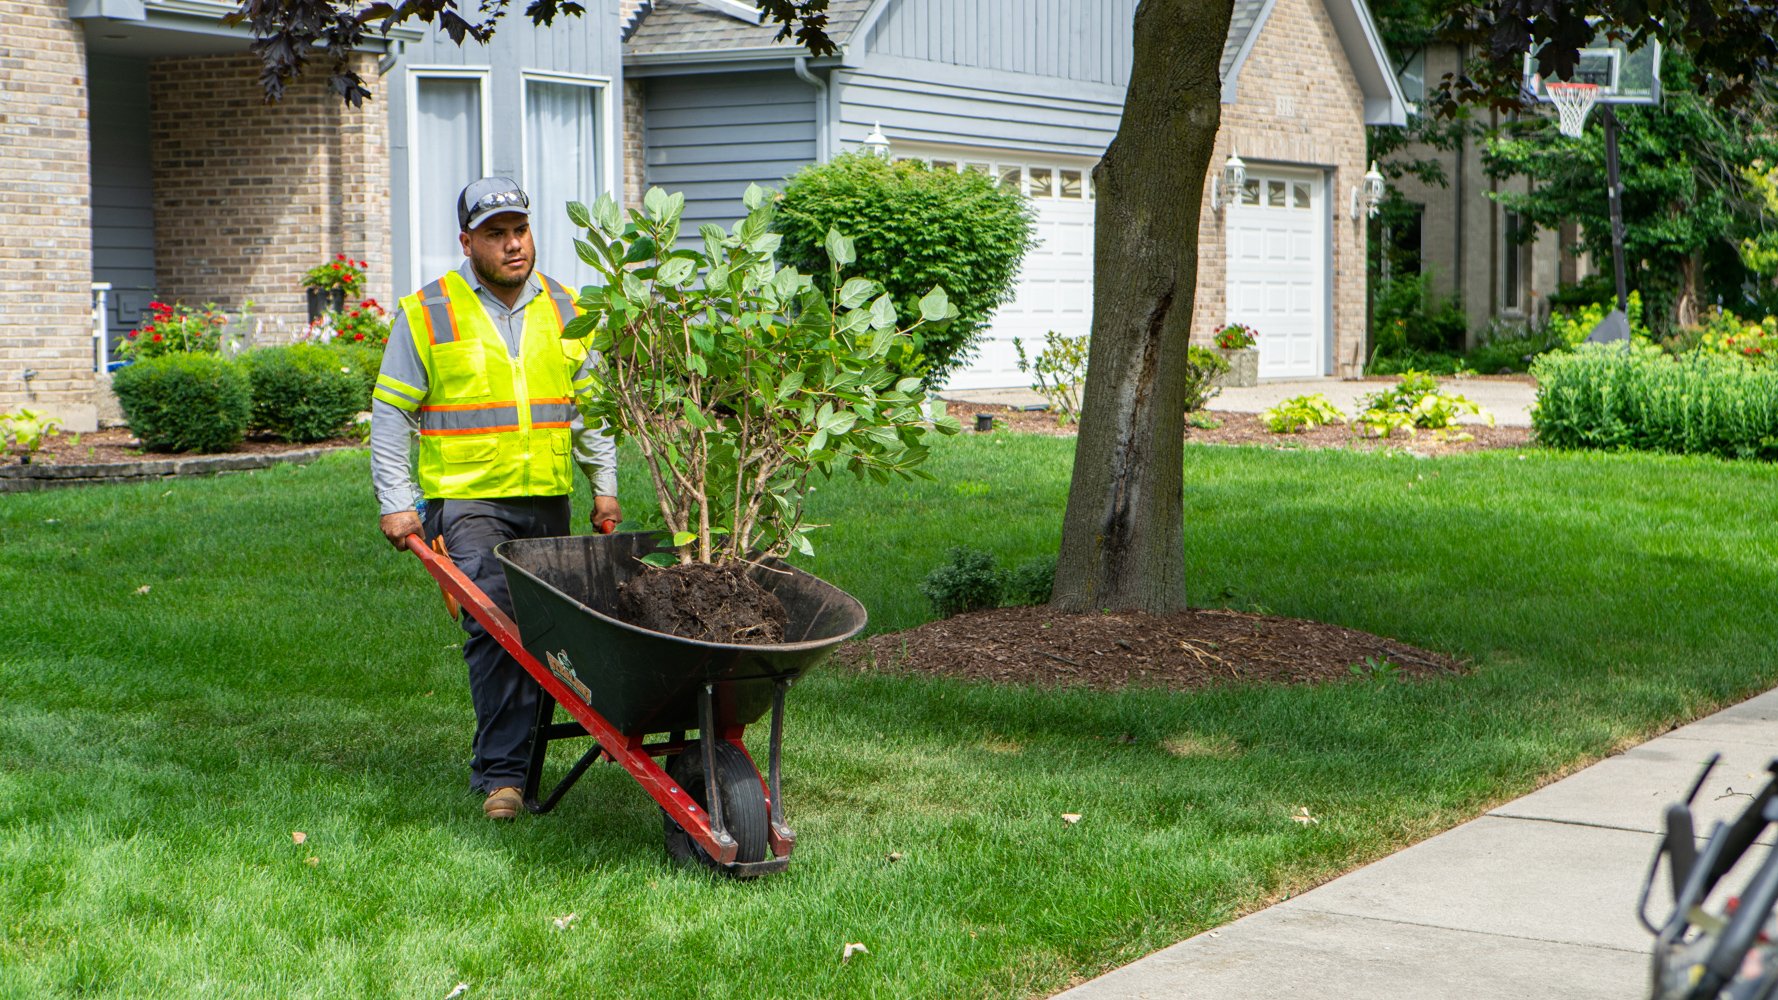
(1383, 101)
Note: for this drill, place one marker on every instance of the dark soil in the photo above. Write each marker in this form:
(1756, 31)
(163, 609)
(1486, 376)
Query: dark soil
(117, 446)
(1246, 429)
(1191, 649)
(700, 601)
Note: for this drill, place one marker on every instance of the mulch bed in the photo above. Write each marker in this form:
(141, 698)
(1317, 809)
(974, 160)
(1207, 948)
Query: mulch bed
(1107, 651)
(118, 446)
(1246, 429)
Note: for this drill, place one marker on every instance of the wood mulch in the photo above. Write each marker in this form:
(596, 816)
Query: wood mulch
(1246, 429)
(1108, 651)
(118, 446)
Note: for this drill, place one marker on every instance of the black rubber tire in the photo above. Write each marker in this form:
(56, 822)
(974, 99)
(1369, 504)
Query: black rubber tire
(743, 804)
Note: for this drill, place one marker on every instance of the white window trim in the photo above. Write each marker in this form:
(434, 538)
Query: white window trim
(608, 123)
(483, 77)
(998, 159)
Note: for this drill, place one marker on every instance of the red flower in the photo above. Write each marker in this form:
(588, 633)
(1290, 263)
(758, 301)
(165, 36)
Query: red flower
(339, 256)
(363, 264)
(358, 336)
(157, 338)
(370, 304)
(132, 335)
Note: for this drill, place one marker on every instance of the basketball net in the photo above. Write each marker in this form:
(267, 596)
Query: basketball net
(1573, 102)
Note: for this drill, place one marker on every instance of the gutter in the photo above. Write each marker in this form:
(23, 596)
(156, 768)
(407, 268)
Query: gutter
(802, 71)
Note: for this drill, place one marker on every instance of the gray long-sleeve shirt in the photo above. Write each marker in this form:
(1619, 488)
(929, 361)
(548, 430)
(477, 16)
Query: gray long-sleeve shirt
(392, 429)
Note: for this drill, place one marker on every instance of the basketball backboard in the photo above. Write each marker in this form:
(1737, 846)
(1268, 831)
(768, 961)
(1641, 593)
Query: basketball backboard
(1624, 76)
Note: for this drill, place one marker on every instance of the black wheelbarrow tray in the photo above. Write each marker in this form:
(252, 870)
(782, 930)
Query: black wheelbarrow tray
(622, 684)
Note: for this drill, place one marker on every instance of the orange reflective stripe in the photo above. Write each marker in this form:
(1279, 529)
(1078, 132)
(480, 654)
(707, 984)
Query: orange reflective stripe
(451, 407)
(551, 424)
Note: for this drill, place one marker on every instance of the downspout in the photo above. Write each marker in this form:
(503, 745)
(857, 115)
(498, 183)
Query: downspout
(387, 60)
(820, 85)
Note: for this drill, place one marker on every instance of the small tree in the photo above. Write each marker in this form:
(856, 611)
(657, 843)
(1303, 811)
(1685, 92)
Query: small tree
(914, 227)
(737, 378)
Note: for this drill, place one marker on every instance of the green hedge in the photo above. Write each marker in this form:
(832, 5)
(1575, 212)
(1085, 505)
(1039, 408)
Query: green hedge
(913, 227)
(304, 392)
(365, 362)
(1602, 397)
(185, 402)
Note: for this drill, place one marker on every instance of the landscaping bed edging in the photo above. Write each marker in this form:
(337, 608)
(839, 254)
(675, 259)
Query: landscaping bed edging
(28, 478)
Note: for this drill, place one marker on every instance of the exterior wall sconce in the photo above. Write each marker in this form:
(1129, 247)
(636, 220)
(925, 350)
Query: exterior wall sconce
(1371, 195)
(1233, 176)
(876, 143)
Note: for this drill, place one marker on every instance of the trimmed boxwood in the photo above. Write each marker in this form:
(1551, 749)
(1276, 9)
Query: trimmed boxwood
(185, 402)
(1700, 403)
(304, 392)
(366, 363)
(913, 227)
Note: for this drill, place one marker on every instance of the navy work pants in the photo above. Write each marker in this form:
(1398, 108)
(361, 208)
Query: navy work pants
(505, 696)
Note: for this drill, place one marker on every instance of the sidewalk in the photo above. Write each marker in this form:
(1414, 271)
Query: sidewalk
(1534, 899)
(1509, 401)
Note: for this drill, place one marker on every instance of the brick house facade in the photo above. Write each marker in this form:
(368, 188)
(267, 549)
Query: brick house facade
(198, 190)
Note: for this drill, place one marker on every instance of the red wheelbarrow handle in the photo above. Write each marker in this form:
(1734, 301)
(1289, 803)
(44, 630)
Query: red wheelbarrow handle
(624, 750)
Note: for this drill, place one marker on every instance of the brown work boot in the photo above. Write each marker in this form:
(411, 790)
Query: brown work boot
(503, 803)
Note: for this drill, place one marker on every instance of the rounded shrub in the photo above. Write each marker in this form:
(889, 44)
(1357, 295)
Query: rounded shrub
(304, 392)
(365, 362)
(913, 227)
(185, 402)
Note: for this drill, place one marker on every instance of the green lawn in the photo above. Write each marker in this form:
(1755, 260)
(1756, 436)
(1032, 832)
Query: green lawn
(286, 671)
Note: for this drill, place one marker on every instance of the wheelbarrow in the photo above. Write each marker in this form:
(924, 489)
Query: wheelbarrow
(622, 684)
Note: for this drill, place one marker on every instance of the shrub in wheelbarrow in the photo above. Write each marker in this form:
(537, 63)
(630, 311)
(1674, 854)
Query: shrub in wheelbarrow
(738, 380)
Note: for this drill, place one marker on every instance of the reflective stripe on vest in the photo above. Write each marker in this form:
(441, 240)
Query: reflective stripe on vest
(492, 425)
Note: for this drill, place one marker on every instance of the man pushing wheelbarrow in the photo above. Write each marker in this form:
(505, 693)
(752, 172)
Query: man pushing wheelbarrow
(478, 368)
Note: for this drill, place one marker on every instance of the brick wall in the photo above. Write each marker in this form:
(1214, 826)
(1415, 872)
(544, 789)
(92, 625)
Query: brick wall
(45, 215)
(1299, 105)
(248, 196)
(635, 165)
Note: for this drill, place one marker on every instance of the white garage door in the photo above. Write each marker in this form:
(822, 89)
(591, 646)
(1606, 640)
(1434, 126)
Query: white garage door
(1277, 270)
(1055, 285)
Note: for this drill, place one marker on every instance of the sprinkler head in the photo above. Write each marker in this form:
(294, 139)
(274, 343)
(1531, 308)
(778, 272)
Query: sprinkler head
(984, 422)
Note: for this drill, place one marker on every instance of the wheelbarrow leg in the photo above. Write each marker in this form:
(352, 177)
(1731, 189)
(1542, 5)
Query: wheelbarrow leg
(543, 730)
(783, 838)
(707, 746)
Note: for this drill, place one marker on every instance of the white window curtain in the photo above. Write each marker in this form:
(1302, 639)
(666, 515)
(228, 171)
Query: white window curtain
(562, 157)
(448, 150)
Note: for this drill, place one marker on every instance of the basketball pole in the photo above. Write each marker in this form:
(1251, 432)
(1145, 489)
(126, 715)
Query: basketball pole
(1616, 191)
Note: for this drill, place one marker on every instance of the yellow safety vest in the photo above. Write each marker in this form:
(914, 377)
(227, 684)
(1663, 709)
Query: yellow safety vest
(491, 425)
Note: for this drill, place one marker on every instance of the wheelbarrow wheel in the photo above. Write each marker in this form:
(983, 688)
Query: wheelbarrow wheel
(743, 804)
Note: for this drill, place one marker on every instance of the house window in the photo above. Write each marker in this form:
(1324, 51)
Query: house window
(1299, 191)
(1512, 263)
(948, 166)
(1275, 194)
(1010, 177)
(448, 134)
(1071, 184)
(1412, 78)
(564, 155)
(976, 168)
(1039, 182)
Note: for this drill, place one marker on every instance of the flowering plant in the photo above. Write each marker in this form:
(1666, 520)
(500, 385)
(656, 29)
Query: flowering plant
(366, 323)
(1725, 333)
(1236, 337)
(342, 272)
(174, 329)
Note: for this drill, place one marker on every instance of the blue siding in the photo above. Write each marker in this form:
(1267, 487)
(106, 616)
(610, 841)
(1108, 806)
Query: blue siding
(711, 134)
(123, 185)
(930, 103)
(1081, 40)
(588, 45)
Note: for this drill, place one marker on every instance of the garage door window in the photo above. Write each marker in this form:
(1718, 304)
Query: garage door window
(1035, 180)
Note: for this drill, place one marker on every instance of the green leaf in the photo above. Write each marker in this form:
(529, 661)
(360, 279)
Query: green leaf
(578, 214)
(754, 196)
(882, 312)
(655, 202)
(790, 385)
(635, 290)
(684, 538)
(839, 249)
(588, 253)
(659, 560)
(580, 326)
(676, 271)
(855, 291)
(610, 217)
(935, 306)
(642, 249)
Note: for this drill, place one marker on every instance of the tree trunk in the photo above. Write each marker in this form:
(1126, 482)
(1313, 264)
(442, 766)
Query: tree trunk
(1122, 537)
(1685, 307)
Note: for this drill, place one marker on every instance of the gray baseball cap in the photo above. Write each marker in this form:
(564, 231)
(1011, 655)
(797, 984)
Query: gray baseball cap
(488, 197)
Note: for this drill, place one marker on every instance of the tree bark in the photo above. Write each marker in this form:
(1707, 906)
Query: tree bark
(1123, 534)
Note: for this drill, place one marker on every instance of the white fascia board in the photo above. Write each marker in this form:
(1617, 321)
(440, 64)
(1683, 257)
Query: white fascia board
(214, 11)
(1230, 83)
(734, 8)
(717, 60)
(1384, 103)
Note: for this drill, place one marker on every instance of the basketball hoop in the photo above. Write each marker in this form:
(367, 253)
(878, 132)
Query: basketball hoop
(1573, 102)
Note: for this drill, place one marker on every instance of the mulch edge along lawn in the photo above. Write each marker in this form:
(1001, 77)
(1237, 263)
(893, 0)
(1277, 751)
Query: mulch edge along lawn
(199, 668)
